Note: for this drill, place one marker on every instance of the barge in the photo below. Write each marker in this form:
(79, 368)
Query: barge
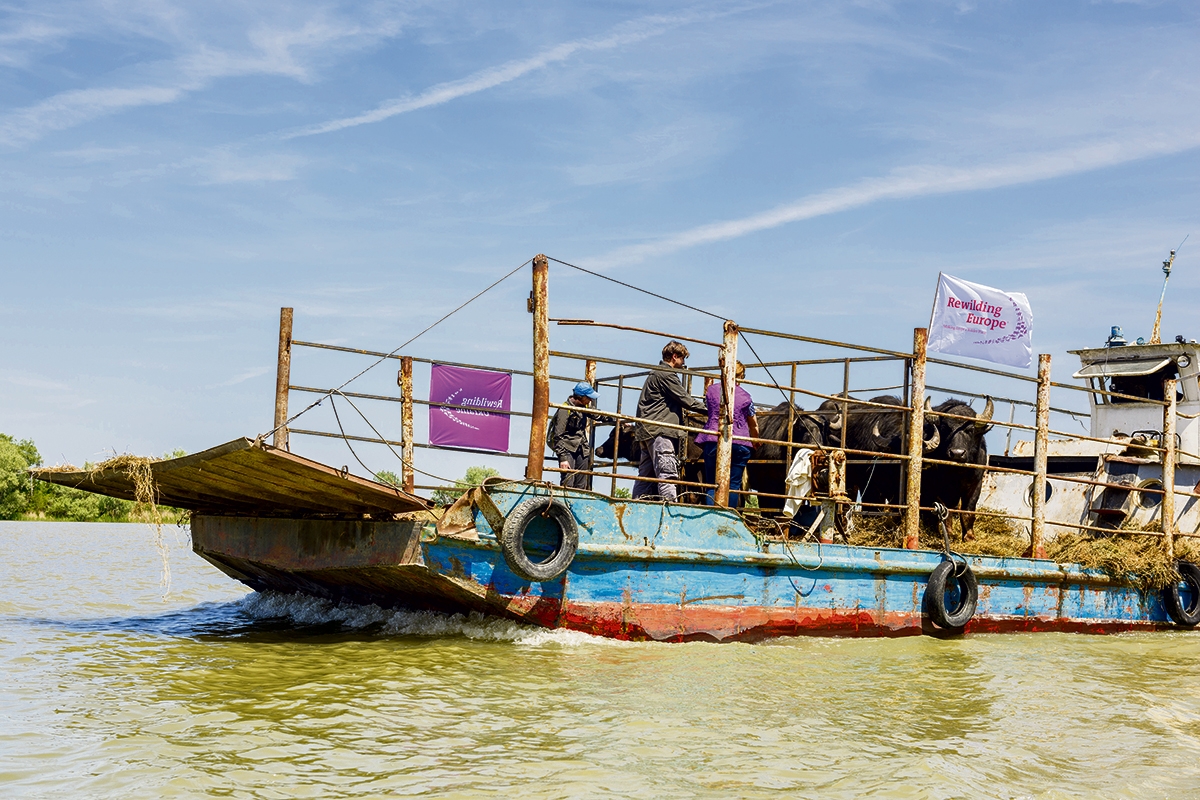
(531, 551)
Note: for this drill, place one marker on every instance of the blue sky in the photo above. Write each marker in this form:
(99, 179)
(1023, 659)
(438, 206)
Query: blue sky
(172, 174)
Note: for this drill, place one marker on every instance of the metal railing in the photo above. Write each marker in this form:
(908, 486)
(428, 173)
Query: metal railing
(841, 404)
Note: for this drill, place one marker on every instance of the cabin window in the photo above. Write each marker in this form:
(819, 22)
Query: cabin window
(1150, 499)
(1029, 494)
(1137, 379)
(1147, 386)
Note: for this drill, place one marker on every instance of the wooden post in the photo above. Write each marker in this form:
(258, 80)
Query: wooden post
(617, 436)
(539, 307)
(1168, 468)
(902, 473)
(725, 438)
(1041, 444)
(283, 378)
(916, 442)
(791, 423)
(1012, 413)
(589, 375)
(408, 479)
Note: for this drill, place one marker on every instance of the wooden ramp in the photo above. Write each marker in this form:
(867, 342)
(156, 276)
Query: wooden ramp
(242, 477)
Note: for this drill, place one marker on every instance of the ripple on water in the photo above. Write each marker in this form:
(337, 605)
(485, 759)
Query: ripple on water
(302, 610)
(112, 691)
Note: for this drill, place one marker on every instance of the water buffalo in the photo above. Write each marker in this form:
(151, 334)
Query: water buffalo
(880, 430)
(626, 448)
(808, 427)
(691, 465)
(958, 487)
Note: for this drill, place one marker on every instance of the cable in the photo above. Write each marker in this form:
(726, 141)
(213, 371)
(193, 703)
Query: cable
(786, 397)
(381, 359)
(381, 438)
(636, 288)
(333, 405)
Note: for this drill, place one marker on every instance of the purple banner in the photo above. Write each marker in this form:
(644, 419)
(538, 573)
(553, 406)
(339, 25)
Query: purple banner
(456, 427)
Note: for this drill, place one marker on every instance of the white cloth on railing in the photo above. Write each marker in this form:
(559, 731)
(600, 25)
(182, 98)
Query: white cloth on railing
(798, 482)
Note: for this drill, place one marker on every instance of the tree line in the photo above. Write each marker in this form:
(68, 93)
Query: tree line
(23, 497)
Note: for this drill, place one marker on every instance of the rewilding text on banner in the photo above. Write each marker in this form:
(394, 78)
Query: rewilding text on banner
(456, 427)
(970, 319)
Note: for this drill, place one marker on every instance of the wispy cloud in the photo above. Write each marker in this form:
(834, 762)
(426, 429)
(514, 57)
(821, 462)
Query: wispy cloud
(272, 51)
(31, 380)
(907, 182)
(18, 39)
(491, 77)
(242, 377)
(226, 166)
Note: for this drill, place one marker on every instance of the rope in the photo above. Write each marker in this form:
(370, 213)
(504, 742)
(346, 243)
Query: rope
(381, 359)
(383, 438)
(942, 513)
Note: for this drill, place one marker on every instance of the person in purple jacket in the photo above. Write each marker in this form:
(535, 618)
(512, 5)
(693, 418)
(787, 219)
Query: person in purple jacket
(744, 424)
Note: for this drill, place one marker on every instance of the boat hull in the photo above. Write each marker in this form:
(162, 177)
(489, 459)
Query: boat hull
(648, 571)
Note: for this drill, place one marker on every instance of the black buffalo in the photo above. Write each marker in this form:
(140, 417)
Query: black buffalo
(767, 471)
(691, 465)
(877, 479)
(962, 442)
(627, 449)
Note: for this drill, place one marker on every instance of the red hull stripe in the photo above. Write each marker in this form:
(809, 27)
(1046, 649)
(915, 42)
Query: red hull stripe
(640, 622)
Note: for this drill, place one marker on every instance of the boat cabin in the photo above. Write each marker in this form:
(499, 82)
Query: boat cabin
(1138, 371)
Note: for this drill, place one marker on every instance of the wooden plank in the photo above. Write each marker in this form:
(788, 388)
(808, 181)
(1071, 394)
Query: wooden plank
(286, 470)
(243, 476)
(219, 487)
(332, 473)
(240, 479)
(332, 485)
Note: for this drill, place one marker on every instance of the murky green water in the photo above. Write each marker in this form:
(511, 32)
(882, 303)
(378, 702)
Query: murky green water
(107, 690)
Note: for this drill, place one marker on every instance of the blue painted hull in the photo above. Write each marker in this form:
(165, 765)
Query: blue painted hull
(662, 572)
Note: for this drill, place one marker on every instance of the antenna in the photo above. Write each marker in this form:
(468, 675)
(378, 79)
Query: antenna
(1170, 262)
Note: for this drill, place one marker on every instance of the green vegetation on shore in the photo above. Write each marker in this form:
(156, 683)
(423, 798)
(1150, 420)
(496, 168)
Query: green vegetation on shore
(446, 495)
(25, 498)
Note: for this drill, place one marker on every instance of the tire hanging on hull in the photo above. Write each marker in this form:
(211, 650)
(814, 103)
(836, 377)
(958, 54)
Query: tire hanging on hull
(1184, 612)
(947, 574)
(512, 539)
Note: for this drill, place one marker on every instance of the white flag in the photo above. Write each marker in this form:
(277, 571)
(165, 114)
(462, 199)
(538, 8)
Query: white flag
(970, 319)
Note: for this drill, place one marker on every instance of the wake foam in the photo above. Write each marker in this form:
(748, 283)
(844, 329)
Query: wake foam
(304, 610)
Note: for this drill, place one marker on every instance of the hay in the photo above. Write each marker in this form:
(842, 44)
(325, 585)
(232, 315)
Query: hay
(145, 492)
(1142, 559)
(992, 536)
(1124, 555)
(875, 531)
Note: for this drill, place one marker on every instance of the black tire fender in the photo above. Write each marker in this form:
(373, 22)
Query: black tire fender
(1181, 613)
(512, 539)
(935, 594)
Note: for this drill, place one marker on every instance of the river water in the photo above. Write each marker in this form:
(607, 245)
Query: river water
(108, 689)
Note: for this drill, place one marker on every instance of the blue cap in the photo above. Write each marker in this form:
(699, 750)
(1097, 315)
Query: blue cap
(584, 389)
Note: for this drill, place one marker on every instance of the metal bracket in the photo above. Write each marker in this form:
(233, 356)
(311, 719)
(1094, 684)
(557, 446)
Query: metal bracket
(459, 520)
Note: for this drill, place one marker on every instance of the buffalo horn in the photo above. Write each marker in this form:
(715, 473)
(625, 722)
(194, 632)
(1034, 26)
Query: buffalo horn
(984, 418)
(935, 439)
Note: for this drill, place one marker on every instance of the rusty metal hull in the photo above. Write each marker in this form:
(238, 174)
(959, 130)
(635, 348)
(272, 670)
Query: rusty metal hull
(649, 571)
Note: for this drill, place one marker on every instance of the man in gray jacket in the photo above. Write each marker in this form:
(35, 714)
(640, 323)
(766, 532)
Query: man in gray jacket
(663, 400)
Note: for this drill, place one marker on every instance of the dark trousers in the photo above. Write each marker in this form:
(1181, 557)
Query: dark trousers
(737, 467)
(576, 480)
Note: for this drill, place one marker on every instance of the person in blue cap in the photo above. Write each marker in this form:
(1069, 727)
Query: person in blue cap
(570, 435)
